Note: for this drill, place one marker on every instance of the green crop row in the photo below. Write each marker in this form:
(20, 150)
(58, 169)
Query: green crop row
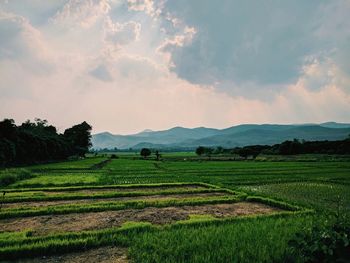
(104, 195)
(112, 186)
(124, 171)
(320, 196)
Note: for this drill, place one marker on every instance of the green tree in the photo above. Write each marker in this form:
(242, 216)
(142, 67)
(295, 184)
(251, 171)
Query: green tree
(145, 152)
(204, 150)
(200, 150)
(79, 136)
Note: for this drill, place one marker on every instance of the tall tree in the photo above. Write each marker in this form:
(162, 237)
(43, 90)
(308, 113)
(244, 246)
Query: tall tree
(79, 136)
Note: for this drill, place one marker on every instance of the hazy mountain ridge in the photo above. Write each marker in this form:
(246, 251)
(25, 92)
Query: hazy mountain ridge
(240, 135)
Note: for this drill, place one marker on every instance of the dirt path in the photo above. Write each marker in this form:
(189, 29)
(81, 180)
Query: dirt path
(94, 201)
(43, 225)
(98, 255)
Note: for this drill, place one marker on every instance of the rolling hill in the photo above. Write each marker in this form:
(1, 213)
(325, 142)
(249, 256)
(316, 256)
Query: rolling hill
(240, 135)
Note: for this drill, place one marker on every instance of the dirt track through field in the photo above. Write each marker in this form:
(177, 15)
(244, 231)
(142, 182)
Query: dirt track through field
(98, 255)
(37, 204)
(43, 225)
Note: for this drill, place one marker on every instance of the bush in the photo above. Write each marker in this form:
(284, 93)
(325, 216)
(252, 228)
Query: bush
(8, 177)
(322, 243)
(114, 156)
(145, 152)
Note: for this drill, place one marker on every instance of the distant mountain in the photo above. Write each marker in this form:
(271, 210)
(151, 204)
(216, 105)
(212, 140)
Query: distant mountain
(240, 135)
(268, 137)
(166, 137)
(335, 125)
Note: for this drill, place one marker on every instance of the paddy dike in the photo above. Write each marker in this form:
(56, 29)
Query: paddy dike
(100, 255)
(42, 193)
(43, 225)
(45, 204)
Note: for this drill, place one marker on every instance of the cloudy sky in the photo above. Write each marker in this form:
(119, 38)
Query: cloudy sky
(127, 65)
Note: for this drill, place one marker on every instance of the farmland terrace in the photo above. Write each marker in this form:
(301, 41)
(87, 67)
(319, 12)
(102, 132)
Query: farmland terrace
(142, 210)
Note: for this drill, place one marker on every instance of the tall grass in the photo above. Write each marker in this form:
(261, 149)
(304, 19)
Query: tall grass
(10, 176)
(262, 239)
(134, 235)
(67, 242)
(320, 196)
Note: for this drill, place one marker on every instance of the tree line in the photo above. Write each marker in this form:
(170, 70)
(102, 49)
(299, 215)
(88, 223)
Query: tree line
(36, 142)
(289, 147)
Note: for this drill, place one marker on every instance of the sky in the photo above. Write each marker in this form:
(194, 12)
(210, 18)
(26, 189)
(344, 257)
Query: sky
(128, 65)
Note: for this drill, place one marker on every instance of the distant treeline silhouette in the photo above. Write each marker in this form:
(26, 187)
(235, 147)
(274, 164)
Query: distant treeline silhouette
(285, 148)
(36, 142)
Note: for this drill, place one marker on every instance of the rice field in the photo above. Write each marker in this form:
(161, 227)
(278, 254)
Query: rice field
(174, 210)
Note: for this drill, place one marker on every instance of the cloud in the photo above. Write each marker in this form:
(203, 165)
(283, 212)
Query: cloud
(120, 34)
(129, 65)
(36, 11)
(23, 44)
(169, 45)
(84, 13)
(102, 73)
(150, 7)
(255, 45)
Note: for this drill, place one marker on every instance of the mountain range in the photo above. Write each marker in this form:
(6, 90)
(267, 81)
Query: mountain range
(240, 135)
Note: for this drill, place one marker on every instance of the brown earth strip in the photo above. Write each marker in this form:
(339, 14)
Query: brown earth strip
(37, 204)
(43, 225)
(99, 255)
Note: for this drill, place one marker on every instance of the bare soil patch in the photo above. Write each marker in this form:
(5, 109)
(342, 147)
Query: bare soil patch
(43, 225)
(100, 255)
(37, 204)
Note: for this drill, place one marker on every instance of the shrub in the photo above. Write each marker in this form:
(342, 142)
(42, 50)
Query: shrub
(322, 243)
(114, 156)
(145, 152)
(8, 177)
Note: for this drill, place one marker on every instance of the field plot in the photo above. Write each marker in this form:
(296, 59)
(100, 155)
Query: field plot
(321, 196)
(50, 194)
(101, 255)
(129, 209)
(29, 205)
(223, 173)
(44, 225)
(37, 221)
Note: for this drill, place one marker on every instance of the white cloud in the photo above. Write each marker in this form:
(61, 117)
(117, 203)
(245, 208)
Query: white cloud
(112, 67)
(120, 34)
(84, 13)
(180, 40)
(150, 7)
(23, 44)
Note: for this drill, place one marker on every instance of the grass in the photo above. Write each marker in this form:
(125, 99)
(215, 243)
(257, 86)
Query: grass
(223, 173)
(316, 182)
(11, 176)
(47, 180)
(67, 242)
(23, 244)
(114, 206)
(14, 197)
(320, 196)
(248, 240)
(111, 186)
(86, 163)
